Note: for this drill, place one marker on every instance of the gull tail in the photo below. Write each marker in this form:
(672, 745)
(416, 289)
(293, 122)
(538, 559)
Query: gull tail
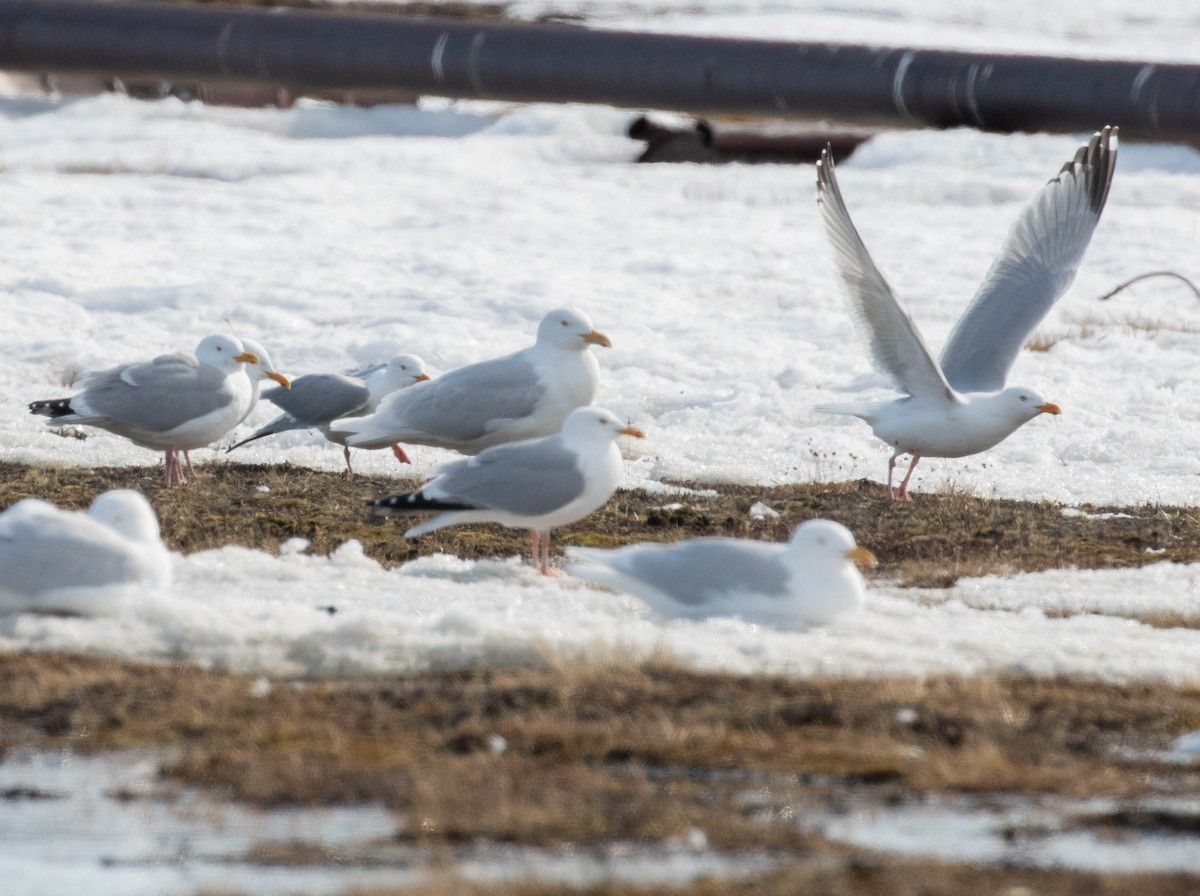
(864, 410)
(52, 407)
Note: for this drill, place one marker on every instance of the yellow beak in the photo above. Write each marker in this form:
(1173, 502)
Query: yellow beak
(420, 378)
(278, 377)
(597, 338)
(246, 358)
(1049, 408)
(860, 556)
(632, 431)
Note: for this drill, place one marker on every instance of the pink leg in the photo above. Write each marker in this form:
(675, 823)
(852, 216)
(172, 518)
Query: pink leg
(545, 567)
(191, 470)
(400, 455)
(172, 474)
(535, 539)
(891, 492)
(346, 454)
(904, 495)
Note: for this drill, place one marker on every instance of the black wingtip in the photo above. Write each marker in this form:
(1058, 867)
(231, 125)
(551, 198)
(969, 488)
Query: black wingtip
(1096, 160)
(413, 502)
(51, 407)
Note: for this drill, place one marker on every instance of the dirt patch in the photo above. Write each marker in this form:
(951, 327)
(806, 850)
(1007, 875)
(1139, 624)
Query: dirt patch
(598, 752)
(930, 542)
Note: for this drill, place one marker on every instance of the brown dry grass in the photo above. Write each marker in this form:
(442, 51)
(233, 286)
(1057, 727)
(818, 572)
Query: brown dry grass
(598, 752)
(850, 875)
(931, 542)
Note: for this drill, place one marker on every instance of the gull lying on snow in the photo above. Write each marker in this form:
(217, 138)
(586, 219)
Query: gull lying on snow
(958, 406)
(537, 484)
(807, 581)
(315, 400)
(519, 396)
(61, 561)
(173, 403)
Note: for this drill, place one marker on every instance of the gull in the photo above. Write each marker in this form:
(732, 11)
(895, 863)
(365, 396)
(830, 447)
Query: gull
(807, 581)
(315, 400)
(176, 402)
(958, 405)
(537, 484)
(62, 561)
(524, 395)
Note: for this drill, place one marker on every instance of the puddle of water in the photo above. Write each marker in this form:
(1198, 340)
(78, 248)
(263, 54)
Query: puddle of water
(107, 824)
(1050, 832)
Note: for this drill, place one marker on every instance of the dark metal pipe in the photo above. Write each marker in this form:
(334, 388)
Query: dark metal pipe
(561, 63)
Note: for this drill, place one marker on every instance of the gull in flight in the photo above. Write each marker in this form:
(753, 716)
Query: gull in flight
(958, 405)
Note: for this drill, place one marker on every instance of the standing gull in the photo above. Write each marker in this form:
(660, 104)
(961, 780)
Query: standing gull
(807, 581)
(61, 561)
(958, 405)
(524, 395)
(173, 403)
(315, 400)
(536, 484)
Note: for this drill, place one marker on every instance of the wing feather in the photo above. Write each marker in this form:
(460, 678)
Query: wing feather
(1036, 265)
(894, 343)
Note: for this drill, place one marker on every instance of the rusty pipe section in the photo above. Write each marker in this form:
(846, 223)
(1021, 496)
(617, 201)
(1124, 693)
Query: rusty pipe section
(310, 49)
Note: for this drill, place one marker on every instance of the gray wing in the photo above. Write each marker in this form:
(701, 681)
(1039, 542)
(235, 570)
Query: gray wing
(893, 342)
(697, 571)
(43, 549)
(467, 403)
(363, 372)
(319, 398)
(1038, 262)
(157, 396)
(528, 478)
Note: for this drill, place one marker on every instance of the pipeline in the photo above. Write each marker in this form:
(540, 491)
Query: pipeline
(861, 85)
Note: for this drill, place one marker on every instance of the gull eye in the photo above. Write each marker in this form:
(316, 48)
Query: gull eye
(564, 323)
(404, 367)
(1024, 398)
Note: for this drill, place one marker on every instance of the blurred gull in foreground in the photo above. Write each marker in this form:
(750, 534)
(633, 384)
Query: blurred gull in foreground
(174, 403)
(524, 395)
(315, 400)
(83, 563)
(807, 581)
(959, 406)
(536, 484)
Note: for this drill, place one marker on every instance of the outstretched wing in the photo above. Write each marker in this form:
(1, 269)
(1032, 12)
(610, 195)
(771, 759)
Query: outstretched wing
(1035, 267)
(893, 342)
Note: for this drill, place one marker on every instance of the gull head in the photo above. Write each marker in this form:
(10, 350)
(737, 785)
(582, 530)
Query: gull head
(262, 368)
(825, 542)
(592, 424)
(569, 328)
(1023, 404)
(128, 513)
(401, 372)
(224, 352)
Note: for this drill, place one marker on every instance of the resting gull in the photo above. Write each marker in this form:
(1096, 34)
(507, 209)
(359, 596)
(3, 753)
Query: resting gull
(519, 396)
(536, 484)
(958, 405)
(62, 561)
(807, 581)
(173, 403)
(317, 399)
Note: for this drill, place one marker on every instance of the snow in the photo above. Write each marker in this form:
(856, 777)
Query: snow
(339, 237)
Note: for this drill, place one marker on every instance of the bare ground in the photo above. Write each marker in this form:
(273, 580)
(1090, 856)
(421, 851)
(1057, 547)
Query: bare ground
(635, 751)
